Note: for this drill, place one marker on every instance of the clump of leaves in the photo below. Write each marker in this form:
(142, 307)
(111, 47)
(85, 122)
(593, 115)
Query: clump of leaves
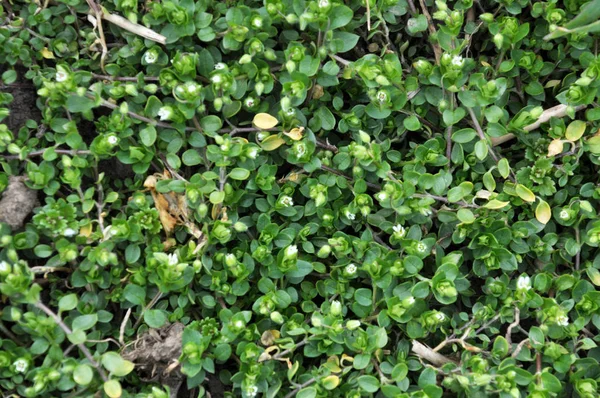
(301, 198)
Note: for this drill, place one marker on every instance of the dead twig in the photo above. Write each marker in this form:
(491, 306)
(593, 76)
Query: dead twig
(437, 50)
(422, 351)
(556, 111)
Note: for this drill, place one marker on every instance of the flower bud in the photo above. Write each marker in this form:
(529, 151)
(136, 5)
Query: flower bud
(276, 317)
(352, 324)
(336, 308)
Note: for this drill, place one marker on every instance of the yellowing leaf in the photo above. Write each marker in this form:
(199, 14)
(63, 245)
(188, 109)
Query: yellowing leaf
(47, 53)
(525, 193)
(113, 389)
(264, 121)
(330, 382)
(555, 147)
(495, 204)
(86, 230)
(594, 144)
(575, 130)
(543, 212)
(295, 133)
(272, 142)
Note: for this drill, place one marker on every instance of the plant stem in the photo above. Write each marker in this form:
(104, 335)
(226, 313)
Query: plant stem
(300, 387)
(68, 331)
(124, 78)
(40, 152)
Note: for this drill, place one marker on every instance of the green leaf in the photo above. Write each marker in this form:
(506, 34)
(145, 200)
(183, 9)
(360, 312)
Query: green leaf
(83, 375)
(211, 123)
(239, 174)
(344, 41)
(504, 168)
(77, 104)
(68, 302)
(340, 15)
(116, 365)
(134, 294)
(308, 392)
(416, 25)
(191, 157)
(155, 318)
(368, 383)
(464, 136)
(216, 197)
(85, 322)
(148, 135)
(466, 216)
(412, 123)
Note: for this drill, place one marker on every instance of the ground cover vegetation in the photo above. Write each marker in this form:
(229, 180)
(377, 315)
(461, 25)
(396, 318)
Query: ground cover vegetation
(299, 198)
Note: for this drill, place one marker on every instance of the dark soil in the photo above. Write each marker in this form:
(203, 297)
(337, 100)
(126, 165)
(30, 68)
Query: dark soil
(23, 106)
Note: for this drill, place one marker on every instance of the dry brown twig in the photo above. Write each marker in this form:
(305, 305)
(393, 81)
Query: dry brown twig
(437, 50)
(556, 111)
(422, 351)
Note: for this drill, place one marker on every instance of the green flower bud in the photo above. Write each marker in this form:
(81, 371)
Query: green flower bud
(352, 324)
(336, 308)
(276, 317)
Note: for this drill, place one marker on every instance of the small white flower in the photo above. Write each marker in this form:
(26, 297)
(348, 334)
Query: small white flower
(399, 231)
(61, 76)
(230, 257)
(219, 66)
(564, 215)
(262, 135)
(426, 212)
(191, 88)
(216, 79)
(562, 320)
(4, 267)
(524, 282)
(224, 147)
(421, 247)
(409, 301)
(290, 112)
(239, 324)
(257, 22)
(440, 316)
(252, 152)
(381, 196)
(112, 139)
(69, 232)
(300, 150)
(173, 259)
(20, 365)
(291, 250)
(251, 391)
(286, 201)
(351, 269)
(382, 96)
(349, 215)
(249, 102)
(457, 60)
(150, 57)
(323, 3)
(164, 113)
